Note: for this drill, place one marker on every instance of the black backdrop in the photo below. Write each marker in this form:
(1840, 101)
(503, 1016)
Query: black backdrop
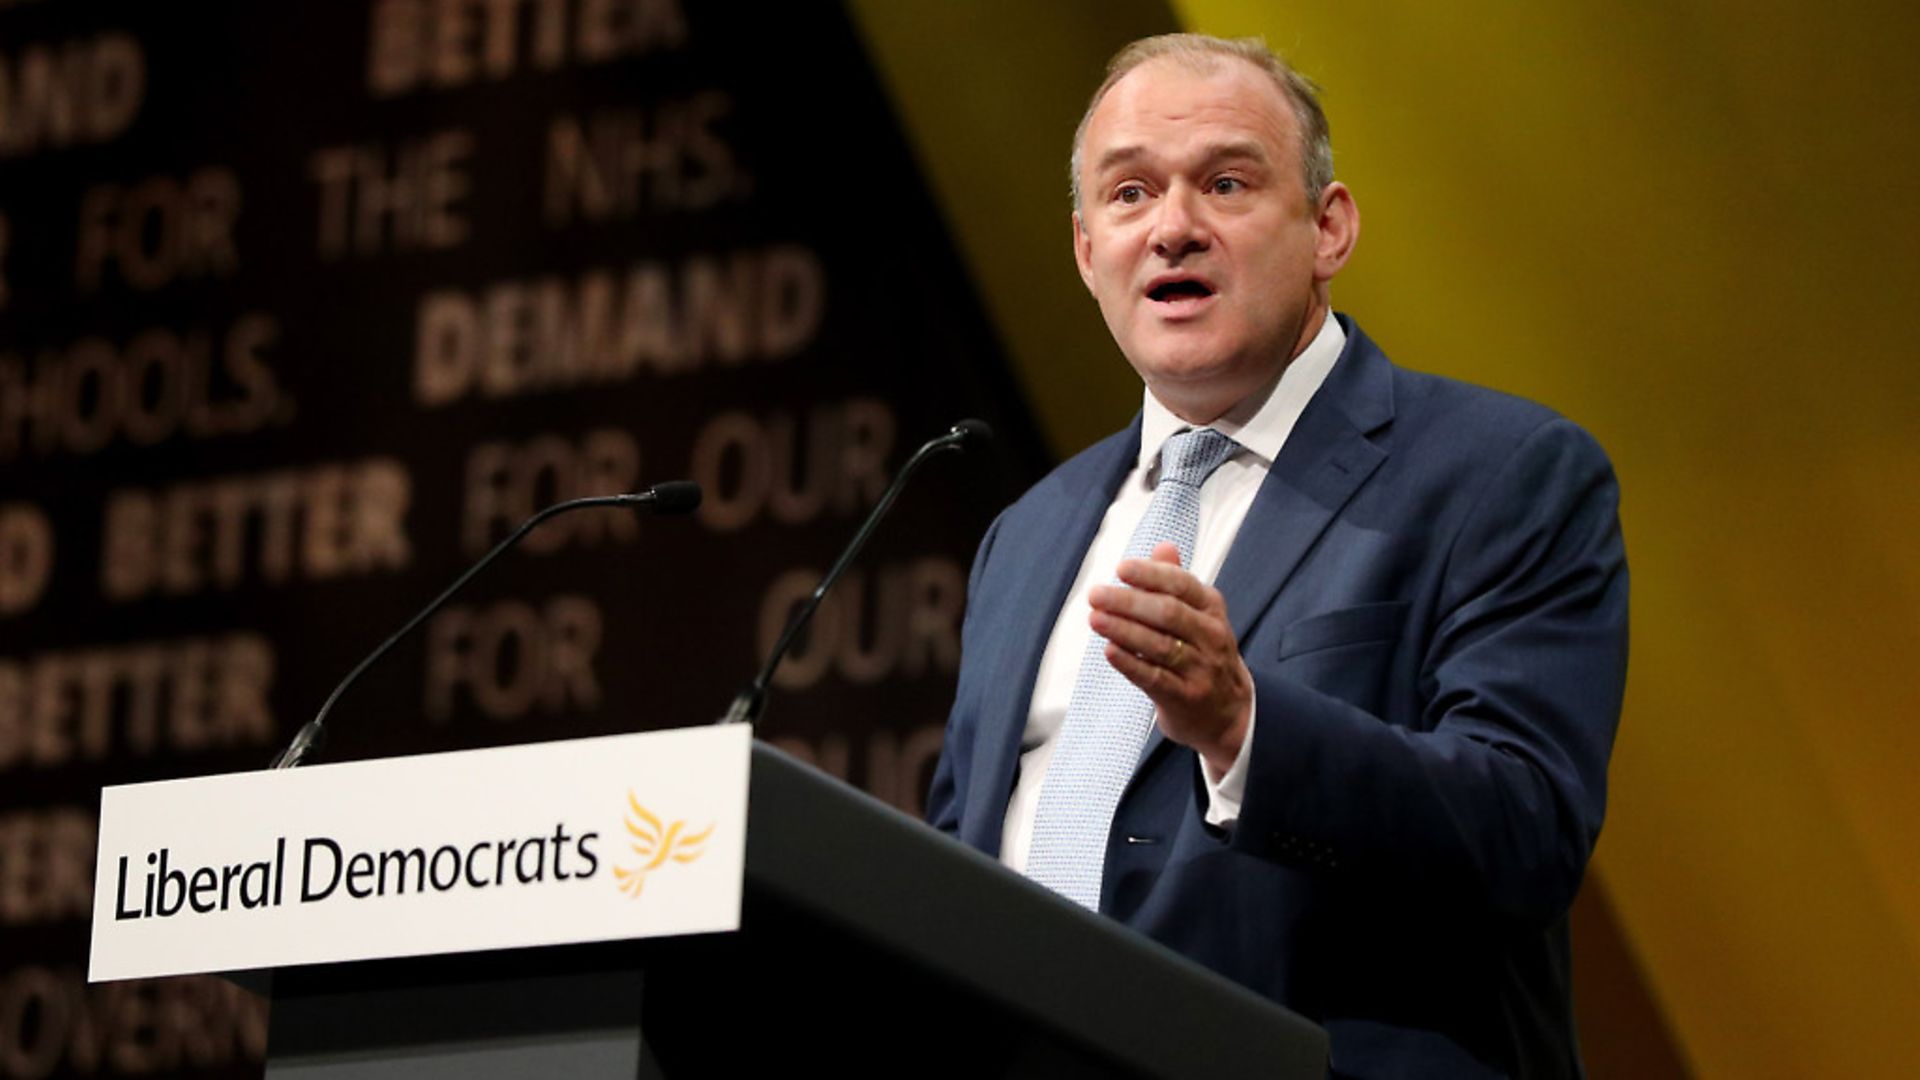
(304, 306)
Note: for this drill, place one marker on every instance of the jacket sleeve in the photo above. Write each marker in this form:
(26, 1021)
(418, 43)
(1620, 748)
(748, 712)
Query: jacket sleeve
(1492, 795)
(946, 797)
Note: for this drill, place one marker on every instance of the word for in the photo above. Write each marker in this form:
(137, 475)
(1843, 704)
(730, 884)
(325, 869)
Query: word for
(509, 659)
(159, 230)
(508, 482)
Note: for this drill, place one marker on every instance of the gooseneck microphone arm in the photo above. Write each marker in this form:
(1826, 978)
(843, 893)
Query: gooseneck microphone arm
(750, 702)
(672, 497)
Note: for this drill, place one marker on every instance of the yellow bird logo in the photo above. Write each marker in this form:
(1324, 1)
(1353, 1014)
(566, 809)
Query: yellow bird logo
(656, 842)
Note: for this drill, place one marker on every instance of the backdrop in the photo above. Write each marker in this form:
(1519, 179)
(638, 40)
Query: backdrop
(303, 307)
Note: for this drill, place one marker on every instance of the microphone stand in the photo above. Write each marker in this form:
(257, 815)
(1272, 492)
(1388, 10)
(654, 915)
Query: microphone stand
(672, 497)
(751, 702)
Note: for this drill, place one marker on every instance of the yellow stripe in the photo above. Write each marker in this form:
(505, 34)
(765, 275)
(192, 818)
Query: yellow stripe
(1691, 227)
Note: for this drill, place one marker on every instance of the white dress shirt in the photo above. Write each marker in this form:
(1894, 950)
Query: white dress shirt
(1260, 424)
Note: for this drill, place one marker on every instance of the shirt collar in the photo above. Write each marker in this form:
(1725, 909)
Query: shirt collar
(1261, 422)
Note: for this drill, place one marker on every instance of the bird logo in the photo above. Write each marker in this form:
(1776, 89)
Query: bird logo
(656, 843)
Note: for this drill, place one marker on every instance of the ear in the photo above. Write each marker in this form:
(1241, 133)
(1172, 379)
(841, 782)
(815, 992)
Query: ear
(1083, 251)
(1339, 225)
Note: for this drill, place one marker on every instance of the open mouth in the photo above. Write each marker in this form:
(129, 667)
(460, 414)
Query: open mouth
(1170, 291)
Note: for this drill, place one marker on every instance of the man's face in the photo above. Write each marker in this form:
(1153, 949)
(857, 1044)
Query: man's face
(1195, 235)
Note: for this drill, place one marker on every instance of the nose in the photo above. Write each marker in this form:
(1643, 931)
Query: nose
(1178, 228)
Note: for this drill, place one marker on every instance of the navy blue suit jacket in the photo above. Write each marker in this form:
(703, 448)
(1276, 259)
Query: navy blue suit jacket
(1431, 593)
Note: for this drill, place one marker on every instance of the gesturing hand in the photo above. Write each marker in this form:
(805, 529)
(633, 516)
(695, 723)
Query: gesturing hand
(1168, 634)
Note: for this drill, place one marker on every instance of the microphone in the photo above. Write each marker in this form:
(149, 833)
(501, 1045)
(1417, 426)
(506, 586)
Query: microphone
(751, 701)
(671, 497)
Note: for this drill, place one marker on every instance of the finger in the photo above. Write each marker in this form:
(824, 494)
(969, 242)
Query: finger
(1140, 639)
(1167, 614)
(1152, 679)
(1162, 577)
(1166, 551)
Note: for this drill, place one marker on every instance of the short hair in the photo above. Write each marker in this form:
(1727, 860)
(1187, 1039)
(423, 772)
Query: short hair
(1202, 53)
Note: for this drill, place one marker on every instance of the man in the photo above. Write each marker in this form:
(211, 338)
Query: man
(1361, 771)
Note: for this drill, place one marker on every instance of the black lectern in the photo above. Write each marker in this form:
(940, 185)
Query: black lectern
(870, 945)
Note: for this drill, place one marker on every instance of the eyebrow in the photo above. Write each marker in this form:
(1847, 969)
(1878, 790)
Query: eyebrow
(1239, 149)
(1246, 149)
(1119, 155)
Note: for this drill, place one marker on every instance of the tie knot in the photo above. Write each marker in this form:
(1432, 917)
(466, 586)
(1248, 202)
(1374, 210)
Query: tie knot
(1192, 455)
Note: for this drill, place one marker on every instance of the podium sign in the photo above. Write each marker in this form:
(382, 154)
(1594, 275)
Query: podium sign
(598, 839)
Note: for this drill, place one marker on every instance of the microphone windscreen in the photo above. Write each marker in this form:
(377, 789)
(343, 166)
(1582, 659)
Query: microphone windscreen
(675, 497)
(973, 431)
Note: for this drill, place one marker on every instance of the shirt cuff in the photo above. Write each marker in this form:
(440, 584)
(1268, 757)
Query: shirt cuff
(1224, 797)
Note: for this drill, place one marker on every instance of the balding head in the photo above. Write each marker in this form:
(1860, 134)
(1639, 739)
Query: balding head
(1204, 53)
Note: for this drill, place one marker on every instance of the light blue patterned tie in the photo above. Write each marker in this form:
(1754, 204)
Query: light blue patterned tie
(1108, 718)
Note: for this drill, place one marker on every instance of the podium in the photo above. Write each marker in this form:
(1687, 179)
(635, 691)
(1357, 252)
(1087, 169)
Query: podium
(867, 944)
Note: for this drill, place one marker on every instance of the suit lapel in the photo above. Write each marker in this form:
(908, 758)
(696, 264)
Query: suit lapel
(1327, 457)
(1048, 567)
